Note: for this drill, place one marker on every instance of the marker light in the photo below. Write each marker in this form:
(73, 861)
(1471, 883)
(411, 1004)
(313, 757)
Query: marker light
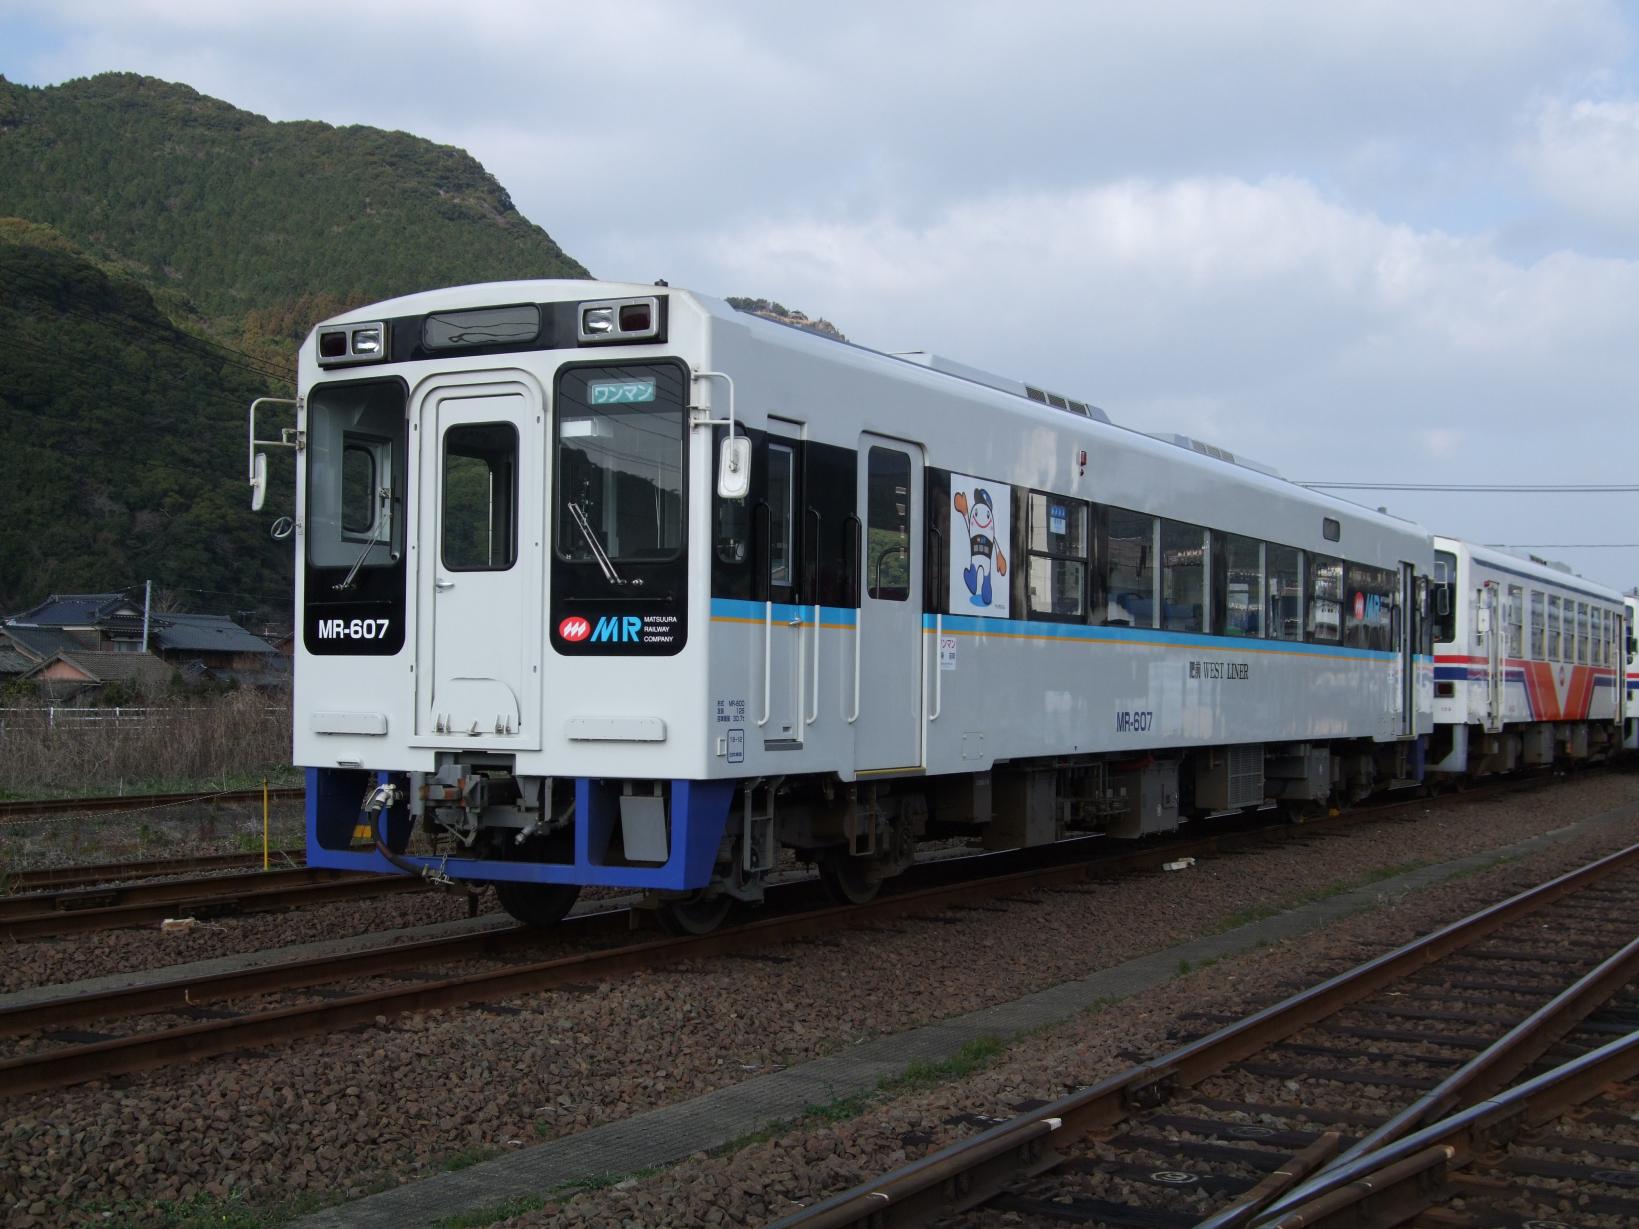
(611, 321)
(352, 343)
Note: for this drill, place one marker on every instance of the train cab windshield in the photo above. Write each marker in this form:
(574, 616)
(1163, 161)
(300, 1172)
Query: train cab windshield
(355, 477)
(620, 466)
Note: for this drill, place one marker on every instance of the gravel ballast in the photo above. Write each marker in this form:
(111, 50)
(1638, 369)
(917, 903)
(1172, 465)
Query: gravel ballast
(332, 1117)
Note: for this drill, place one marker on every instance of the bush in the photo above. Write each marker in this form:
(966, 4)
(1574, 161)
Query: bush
(186, 739)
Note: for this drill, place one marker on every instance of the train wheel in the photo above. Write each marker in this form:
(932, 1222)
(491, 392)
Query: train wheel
(537, 904)
(693, 915)
(844, 878)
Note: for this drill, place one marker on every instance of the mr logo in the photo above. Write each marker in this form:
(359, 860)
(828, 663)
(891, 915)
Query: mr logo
(610, 629)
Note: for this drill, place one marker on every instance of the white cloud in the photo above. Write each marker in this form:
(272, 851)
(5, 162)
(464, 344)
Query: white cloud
(1584, 155)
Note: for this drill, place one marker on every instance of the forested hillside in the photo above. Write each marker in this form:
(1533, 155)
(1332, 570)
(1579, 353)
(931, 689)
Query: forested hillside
(122, 450)
(226, 213)
(161, 254)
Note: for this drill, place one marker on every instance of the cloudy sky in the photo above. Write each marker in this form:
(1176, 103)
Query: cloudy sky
(1376, 242)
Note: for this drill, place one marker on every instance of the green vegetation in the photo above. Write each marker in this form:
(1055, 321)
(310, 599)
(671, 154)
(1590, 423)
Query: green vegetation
(235, 218)
(972, 1057)
(161, 254)
(492, 1212)
(468, 1157)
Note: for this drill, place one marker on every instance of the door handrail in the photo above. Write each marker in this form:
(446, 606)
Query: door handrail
(768, 662)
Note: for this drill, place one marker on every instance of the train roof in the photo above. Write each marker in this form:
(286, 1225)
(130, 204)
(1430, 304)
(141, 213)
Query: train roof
(1530, 568)
(918, 365)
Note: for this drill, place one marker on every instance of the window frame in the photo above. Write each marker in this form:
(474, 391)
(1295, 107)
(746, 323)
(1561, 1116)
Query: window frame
(1035, 500)
(510, 510)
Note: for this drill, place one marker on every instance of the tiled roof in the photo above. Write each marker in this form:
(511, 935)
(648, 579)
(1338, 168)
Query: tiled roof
(195, 633)
(75, 609)
(13, 662)
(40, 642)
(141, 668)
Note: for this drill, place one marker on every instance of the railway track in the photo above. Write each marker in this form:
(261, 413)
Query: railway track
(80, 910)
(30, 808)
(88, 1036)
(1357, 1102)
(60, 878)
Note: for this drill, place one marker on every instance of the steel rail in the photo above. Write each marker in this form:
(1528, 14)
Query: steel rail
(949, 884)
(30, 807)
(23, 917)
(1397, 1175)
(48, 878)
(78, 1063)
(914, 1192)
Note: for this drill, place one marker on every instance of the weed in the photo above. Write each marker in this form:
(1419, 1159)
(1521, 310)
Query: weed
(490, 1213)
(468, 1157)
(972, 1057)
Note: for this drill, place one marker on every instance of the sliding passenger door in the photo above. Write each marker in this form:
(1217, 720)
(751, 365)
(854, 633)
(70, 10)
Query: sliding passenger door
(885, 707)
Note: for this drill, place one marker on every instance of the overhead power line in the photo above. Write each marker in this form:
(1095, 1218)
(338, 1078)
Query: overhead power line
(1519, 488)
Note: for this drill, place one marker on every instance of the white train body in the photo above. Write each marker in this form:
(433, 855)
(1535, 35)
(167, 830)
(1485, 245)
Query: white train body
(949, 603)
(1528, 662)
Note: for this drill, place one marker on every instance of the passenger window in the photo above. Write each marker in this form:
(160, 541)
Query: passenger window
(1058, 557)
(1553, 629)
(888, 521)
(1582, 632)
(1514, 620)
(1183, 577)
(1539, 635)
(1131, 589)
(1325, 625)
(1243, 590)
(480, 497)
(1285, 617)
(780, 493)
(1369, 608)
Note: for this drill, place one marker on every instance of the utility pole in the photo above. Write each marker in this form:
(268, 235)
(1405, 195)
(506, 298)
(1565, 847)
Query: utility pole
(147, 604)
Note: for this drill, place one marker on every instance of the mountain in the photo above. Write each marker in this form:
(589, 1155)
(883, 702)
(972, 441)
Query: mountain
(232, 220)
(122, 443)
(161, 254)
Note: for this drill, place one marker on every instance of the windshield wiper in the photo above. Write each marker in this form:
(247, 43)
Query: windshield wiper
(602, 556)
(375, 540)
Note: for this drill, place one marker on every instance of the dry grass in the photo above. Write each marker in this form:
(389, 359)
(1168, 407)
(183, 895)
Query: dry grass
(238, 737)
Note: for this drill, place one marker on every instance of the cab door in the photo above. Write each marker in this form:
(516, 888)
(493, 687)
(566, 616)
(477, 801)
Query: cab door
(886, 710)
(786, 637)
(479, 636)
(1489, 623)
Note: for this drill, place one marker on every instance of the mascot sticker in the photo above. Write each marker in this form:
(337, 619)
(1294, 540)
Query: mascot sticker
(980, 513)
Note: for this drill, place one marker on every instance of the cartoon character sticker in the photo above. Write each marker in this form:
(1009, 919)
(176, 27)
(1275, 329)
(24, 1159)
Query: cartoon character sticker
(978, 546)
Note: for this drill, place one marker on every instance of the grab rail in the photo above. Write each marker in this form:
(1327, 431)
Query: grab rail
(859, 605)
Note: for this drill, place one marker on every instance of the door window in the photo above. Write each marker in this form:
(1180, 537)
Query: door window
(781, 489)
(888, 525)
(479, 530)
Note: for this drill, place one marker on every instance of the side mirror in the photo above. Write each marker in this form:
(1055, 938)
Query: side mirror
(1442, 600)
(258, 481)
(734, 467)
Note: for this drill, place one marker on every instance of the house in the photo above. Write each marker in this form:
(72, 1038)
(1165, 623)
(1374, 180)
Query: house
(133, 677)
(70, 641)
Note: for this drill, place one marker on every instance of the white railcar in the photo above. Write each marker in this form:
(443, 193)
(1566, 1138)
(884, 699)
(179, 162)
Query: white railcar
(1528, 662)
(612, 584)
